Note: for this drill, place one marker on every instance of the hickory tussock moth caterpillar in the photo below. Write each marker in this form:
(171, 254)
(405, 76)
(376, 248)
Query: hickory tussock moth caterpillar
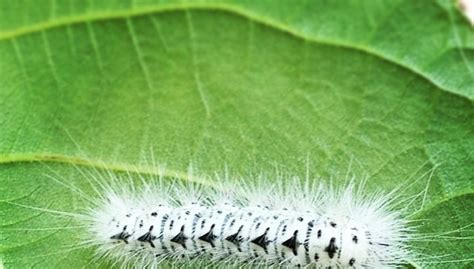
(324, 229)
(287, 223)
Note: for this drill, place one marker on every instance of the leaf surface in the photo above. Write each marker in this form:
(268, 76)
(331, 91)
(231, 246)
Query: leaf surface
(383, 87)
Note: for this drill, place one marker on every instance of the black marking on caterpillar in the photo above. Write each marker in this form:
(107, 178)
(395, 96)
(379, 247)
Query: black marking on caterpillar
(123, 235)
(292, 243)
(148, 237)
(209, 237)
(262, 240)
(331, 248)
(235, 238)
(180, 238)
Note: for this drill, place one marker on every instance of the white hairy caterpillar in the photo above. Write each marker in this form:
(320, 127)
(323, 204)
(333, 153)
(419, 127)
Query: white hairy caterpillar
(334, 230)
(293, 222)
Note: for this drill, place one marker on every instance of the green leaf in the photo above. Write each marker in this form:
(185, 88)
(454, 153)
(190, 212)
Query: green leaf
(385, 87)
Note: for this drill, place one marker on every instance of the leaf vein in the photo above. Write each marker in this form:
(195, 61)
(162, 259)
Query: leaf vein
(232, 10)
(196, 73)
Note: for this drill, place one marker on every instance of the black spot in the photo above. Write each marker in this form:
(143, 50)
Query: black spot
(352, 261)
(333, 224)
(187, 212)
(292, 243)
(123, 235)
(300, 219)
(128, 215)
(154, 214)
(180, 238)
(319, 233)
(219, 212)
(262, 240)
(148, 237)
(331, 249)
(209, 236)
(234, 238)
(284, 228)
(311, 223)
(250, 213)
(258, 225)
(306, 246)
(355, 239)
(316, 257)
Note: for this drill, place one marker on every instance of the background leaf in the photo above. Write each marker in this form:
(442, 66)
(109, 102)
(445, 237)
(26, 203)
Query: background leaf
(247, 85)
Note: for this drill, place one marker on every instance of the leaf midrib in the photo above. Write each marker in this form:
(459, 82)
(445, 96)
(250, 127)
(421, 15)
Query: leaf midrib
(154, 169)
(123, 14)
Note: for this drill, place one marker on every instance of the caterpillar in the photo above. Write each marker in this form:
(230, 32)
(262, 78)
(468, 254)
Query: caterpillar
(311, 226)
(277, 222)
